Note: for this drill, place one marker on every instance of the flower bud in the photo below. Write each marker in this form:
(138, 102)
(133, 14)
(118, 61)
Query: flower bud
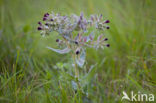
(39, 23)
(46, 15)
(76, 42)
(107, 21)
(108, 45)
(105, 39)
(107, 27)
(77, 52)
(44, 19)
(57, 40)
(39, 28)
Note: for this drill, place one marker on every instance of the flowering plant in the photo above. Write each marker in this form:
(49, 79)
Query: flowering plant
(67, 26)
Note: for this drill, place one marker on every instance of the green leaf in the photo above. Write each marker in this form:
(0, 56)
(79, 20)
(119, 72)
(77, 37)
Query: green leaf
(64, 51)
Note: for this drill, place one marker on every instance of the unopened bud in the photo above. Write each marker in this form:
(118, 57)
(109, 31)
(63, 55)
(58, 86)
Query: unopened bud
(108, 45)
(107, 21)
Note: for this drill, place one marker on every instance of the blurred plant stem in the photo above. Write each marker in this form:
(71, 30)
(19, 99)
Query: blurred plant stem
(75, 65)
(76, 70)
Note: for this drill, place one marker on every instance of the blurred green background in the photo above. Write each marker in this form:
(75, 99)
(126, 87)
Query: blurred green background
(30, 73)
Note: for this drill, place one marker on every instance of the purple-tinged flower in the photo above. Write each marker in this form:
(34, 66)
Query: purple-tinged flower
(39, 23)
(66, 26)
(39, 28)
(85, 39)
(91, 36)
(100, 37)
(100, 17)
(46, 14)
(81, 16)
(44, 19)
(79, 22)
(107, 21)
(92, 18)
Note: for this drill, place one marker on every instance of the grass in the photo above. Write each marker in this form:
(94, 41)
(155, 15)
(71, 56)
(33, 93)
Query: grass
(30, 73)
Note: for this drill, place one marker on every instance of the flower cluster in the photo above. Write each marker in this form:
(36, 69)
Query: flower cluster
(66, 26)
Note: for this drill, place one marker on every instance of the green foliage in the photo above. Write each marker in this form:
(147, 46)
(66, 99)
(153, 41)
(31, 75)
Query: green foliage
(31, 73)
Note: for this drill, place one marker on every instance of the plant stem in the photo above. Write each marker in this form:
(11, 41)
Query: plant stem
(76, 68)
(76, 71)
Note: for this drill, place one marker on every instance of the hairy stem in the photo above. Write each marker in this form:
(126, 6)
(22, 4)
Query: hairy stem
(76, 71)
(76, 68)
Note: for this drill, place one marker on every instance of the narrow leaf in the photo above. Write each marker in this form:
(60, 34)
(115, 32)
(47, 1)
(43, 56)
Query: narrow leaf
(63, 51)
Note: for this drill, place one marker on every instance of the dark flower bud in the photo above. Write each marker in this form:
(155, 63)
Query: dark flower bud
(107, 21)
(46, 15)
(76, 42)
(105, 39)
(39, 23)
(107, 27)
(39, 28)
(77, 52)
(51, 20)
(108, 45)
(57, 40)
(44, 18)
